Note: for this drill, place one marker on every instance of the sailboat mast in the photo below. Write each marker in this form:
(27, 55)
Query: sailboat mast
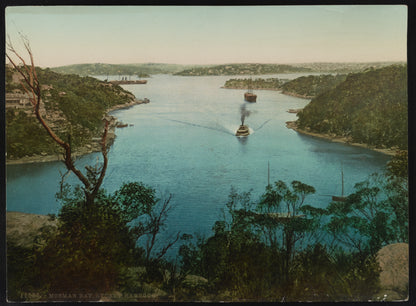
(342, 180)
(268, 173)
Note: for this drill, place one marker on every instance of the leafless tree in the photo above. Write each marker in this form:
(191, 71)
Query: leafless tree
(31, 85)
(157, 219)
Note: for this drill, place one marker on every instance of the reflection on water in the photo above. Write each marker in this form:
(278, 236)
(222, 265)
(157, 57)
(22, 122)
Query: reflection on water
(243, 140)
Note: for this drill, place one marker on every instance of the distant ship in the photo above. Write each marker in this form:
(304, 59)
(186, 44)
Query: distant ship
(249, 96)
(127, 82)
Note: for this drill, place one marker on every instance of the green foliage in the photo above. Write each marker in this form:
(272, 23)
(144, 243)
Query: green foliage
(359, 275)
(20, 277)
(133, 200)
(25, 136)
(238, 69)
(239, 261)
(345, 67)
(337, 276)
(258, 83)
(77, 105)
(397, 194)
(312, 86)
(94, 249)
(368, 107)
(190, 254)
(397, 167)
(156, 68)
(81, 96)
(88, 251)
(141, 70)
(280, 214)
(375, 215)
(10, 85)
(266, 250)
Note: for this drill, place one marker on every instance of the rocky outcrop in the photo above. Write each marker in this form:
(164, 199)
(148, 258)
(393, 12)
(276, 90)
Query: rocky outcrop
(394, 276)
(22, 228)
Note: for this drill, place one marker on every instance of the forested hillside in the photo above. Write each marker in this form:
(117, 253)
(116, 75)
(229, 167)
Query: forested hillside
(146, 69)
(304, 87)
(236, 69)
(312, 85)
(368, 107)
(142, 70)
(345, 67)
(258, 83)
(74, 106)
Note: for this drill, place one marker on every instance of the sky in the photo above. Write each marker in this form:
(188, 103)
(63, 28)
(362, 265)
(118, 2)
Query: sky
(64, 35)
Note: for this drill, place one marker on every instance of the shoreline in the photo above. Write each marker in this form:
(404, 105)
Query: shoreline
(245, 88)
(288, 93)
(93, 146)
(293, 126)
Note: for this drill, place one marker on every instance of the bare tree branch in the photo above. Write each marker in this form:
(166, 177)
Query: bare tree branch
(168, 246)
(31, 86)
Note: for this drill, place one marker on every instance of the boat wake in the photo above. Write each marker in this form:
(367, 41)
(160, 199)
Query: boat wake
(217, 128)
(263, 124)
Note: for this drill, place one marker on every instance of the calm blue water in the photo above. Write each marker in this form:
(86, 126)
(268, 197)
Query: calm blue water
(183, 143)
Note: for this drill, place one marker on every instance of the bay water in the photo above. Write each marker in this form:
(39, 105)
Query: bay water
(183, 143)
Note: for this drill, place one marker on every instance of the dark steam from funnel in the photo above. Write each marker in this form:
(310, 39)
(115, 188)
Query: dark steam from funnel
(244, 113)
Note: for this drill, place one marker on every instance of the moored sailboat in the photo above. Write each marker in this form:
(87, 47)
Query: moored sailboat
(341, 198)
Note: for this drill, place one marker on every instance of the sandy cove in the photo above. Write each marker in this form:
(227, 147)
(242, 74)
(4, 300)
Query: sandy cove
(89, 148)
(292, 125)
